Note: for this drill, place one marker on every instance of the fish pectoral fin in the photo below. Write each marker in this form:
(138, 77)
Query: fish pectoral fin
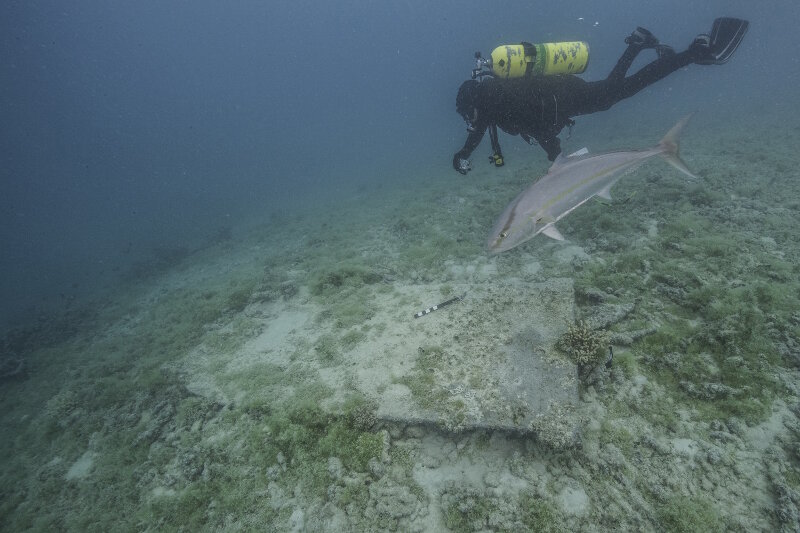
(605, 193)
(578, 153)
(553, 233)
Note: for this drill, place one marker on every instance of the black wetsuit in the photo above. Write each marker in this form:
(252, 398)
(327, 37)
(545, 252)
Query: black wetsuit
(538, 107)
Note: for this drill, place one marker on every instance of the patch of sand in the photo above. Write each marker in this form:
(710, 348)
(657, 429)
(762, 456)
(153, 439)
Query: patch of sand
(81, 468)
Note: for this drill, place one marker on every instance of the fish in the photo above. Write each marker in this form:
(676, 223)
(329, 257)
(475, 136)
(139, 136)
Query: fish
(569, 183)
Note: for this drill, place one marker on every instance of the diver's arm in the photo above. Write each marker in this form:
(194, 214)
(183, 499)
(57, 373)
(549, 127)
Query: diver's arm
(473, 140)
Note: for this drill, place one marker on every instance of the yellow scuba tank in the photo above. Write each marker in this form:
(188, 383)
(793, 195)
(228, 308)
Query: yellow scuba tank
(526, 59)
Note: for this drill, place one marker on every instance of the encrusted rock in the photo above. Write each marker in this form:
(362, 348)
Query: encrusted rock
(606, 315)
(709, 391)
(376, 468)
(335, 468)
(557, 428)
(392, 506)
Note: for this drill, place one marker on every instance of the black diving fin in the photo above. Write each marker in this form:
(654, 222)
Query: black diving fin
(726, 34)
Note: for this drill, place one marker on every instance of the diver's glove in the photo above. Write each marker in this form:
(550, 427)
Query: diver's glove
(461, 165)
(497, 159)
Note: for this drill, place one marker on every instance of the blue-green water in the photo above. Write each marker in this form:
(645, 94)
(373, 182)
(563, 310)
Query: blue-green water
(218, 222)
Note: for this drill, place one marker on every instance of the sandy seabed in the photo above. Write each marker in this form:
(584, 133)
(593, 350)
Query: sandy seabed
(277, 380)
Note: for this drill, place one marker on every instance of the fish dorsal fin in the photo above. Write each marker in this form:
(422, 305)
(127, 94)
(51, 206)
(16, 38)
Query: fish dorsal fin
(553, 233)
(582, 151)
(561, 159)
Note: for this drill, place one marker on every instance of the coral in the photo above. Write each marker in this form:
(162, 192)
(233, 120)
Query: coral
(391, 506)
(539, 515)
(681, 513)
(468, 509)
(474, 509)
(63, 408)
(584, 346)
(360, 413)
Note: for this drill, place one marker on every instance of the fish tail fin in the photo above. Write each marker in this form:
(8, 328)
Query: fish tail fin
(669, 146)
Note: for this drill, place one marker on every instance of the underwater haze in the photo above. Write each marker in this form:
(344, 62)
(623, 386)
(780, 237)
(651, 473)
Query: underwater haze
(218, 220)
(133, 128)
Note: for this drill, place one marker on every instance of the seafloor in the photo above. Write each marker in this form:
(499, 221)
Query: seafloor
(277, 380)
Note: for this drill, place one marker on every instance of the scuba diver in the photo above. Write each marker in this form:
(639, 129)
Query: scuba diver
(537, 107)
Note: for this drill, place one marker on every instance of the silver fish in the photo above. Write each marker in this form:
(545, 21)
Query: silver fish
(570, 182)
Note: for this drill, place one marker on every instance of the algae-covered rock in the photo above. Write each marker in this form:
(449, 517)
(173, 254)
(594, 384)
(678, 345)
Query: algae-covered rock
(468, 508)
(392, 506)
(558, 428)
(494, 364)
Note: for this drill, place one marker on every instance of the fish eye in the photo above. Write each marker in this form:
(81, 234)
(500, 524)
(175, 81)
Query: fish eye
(504, 234)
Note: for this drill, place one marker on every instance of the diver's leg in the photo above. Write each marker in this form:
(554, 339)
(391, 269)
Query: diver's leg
(653, 72)
(640, 39)
(601, 95)
(624, 62)
(714, 49)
